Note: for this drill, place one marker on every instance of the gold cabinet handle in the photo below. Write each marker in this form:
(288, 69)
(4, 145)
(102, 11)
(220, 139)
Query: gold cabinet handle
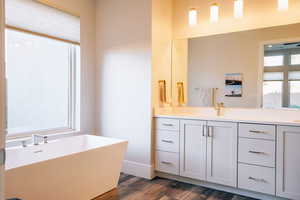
(166, 163)
(257, 179)
(210, 131)
(167, 124)
(256, 152)
(167, 141)
(259, 132)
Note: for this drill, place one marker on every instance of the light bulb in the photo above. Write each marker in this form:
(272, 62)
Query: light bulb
(214, 13)
(193, 17)
(283, 5)
(238, 8)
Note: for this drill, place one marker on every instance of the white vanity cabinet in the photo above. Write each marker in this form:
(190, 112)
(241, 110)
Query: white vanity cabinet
(262, 158)
(167, 145)
(288, 162)
(222, 153)
(256, 157)
(193, 149)
(208, 151)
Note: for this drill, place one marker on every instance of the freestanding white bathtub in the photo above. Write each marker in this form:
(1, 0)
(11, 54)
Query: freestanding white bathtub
(75, 168)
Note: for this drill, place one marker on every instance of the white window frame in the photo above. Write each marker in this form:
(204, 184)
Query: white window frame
(285, 69)
(73, 101)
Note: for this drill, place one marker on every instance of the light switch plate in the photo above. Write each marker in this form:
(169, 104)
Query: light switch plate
(2, 156)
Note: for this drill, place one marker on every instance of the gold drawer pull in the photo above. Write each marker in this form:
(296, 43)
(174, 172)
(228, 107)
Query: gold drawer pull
(261, 132)
(167, 124)
(257, 179)
(257, 152)
(166, 163)
(167, 141)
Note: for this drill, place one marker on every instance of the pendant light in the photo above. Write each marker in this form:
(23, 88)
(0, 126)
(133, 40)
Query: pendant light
(238, 8)
(214, 12)
(193, 17)
(283, 5)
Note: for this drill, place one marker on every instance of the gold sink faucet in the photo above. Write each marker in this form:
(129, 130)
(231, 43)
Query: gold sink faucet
(218, 108)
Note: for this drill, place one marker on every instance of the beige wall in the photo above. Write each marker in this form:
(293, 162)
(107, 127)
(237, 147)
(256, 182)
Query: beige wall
(179, 68)
(161, 47)
(86, 10)
(124, 78)
(258, 14)
(211, 57)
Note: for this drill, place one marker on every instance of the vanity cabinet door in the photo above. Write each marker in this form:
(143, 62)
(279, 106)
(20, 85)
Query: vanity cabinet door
(222, 153)
(288, 162)
(193, 149)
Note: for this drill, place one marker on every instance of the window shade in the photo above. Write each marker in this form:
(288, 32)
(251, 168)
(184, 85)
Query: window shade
(273, 76)
(294, 76)
(36, 17)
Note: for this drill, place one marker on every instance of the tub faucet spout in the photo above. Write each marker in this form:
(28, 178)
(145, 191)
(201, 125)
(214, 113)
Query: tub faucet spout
(36, 137)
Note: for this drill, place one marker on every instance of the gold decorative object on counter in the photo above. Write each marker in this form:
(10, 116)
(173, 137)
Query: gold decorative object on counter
(180, 93)
(214, 96)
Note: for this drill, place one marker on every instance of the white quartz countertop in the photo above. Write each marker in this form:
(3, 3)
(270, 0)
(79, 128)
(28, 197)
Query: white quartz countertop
(288, 117)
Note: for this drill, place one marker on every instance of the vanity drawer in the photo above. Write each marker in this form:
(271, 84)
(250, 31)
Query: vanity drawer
(255, 178)
(167, 124)
(167, 141)
(257, 131)
(167, 162)
(257, 152)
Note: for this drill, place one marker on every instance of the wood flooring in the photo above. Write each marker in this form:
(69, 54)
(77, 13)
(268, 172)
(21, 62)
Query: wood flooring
(134, 188)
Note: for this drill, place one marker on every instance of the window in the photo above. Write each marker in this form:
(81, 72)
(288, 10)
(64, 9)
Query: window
(281, 86)
(272, 61)
(294, 86)
(272, 89)
(295, 59)
(273, 76)
(42, 69)
(272, 94)
(41, 80)
(294, 94)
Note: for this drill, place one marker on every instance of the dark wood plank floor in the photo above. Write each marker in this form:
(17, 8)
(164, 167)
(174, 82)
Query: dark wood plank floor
(133, 188)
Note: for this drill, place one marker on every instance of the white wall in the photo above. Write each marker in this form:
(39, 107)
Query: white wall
(2, 96)
(87, 11)
(179, 68)
(124, 78)
(161, 47)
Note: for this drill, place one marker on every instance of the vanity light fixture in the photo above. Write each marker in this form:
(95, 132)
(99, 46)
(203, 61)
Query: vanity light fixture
(238, 8)
(283, 5)
(214, 12)
(193, 17)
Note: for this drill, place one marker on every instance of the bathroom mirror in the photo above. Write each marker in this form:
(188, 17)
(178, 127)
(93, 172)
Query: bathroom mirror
(250, 69)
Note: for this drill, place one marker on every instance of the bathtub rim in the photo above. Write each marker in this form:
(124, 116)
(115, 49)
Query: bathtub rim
(117, 141)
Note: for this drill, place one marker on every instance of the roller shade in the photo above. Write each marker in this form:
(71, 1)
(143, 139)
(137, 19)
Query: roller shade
(294, 76)
(36, 17)
(273, 76)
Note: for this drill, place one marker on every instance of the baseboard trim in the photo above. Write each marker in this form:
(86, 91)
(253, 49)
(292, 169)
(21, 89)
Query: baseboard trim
(219, 187)
(138, 169)
(112, 194)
